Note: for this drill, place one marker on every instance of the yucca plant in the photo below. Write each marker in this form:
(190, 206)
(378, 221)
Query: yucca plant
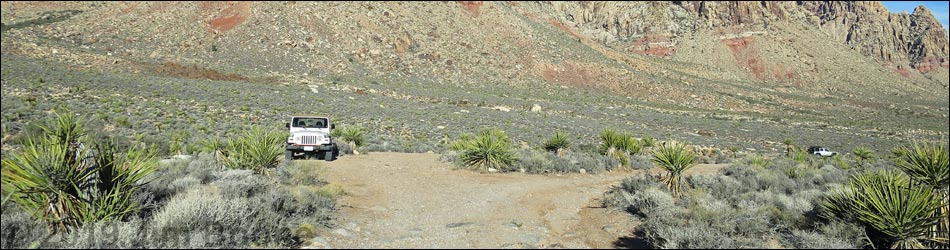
(463, 143)
(63, 183)
(257, 149)
(734, 150)
(840, 162)
(618, 146)
(557, 143)
(675, 159)
(863, 154)
(759, 161)
(798, 155)
(353, 135)
(788, 146)
(491, 149)
(929, 164)
(648, 141)
(887, 202)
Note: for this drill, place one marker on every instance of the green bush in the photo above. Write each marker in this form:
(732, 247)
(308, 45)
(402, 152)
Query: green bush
(619, 146)
(491, 149)
(63, 183)
(863, 154)
(557, 142)
(840, 162)
(355, 136)
(257, 149)
(675, 159)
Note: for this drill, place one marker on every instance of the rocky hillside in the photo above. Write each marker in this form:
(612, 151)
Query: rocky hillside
(802, 58)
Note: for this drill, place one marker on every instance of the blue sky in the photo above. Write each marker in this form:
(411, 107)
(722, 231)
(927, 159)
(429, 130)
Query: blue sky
(939, 9)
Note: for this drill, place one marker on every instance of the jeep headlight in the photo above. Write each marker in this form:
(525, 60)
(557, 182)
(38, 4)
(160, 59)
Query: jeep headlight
(291, 140)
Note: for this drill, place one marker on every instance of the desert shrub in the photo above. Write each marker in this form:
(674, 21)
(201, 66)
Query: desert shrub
(641, 162)
(353, 135)
(537, 162)
(21, 230)
(813, 240)
(758, 161)
(176, 175)
(618, 146)
(62, 182)
(238, 183)
(107, 235)
(591, 163)
(303, 205)
(491, 149)
(721, 186)
(674, 158)
(256, 149)
(738, 208)
(863, 154)
(557, 142)
(301, 173)
(840, 162)
(800, 156)
(621, 197)
(202, 218)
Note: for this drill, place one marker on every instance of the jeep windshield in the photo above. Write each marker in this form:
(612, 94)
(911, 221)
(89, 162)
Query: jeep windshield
(307, 122)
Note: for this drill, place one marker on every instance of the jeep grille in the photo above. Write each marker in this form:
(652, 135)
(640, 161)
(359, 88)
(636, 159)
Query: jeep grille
(311, 139)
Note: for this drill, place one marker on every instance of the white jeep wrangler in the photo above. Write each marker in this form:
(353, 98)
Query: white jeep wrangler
(310, 138)
(821, 151)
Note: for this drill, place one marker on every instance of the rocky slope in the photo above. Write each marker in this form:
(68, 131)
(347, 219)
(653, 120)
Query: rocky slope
(742, 57)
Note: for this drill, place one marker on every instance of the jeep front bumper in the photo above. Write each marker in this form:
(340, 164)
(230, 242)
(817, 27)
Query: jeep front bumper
(308, 148)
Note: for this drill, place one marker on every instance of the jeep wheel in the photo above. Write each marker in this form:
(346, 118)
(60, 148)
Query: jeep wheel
(288, 155)
(328, 155)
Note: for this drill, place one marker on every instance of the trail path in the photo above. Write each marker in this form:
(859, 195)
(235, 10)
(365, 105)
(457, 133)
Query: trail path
(400, 200)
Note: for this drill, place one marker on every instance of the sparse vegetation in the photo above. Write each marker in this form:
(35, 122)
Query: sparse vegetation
(737, 208)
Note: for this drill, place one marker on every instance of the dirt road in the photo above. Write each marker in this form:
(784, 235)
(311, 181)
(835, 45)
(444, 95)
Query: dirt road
(399, 200)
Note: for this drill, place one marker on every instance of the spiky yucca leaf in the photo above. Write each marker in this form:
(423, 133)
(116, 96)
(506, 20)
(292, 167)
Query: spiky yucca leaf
(557, 142)
(927, 163)
(463, 143)
(619, 146)
(490, 149)
(863, 154)
(257, 149)
(354, 135)
(43, 181)
(887, 202)
(66, 185)
(675, 159)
